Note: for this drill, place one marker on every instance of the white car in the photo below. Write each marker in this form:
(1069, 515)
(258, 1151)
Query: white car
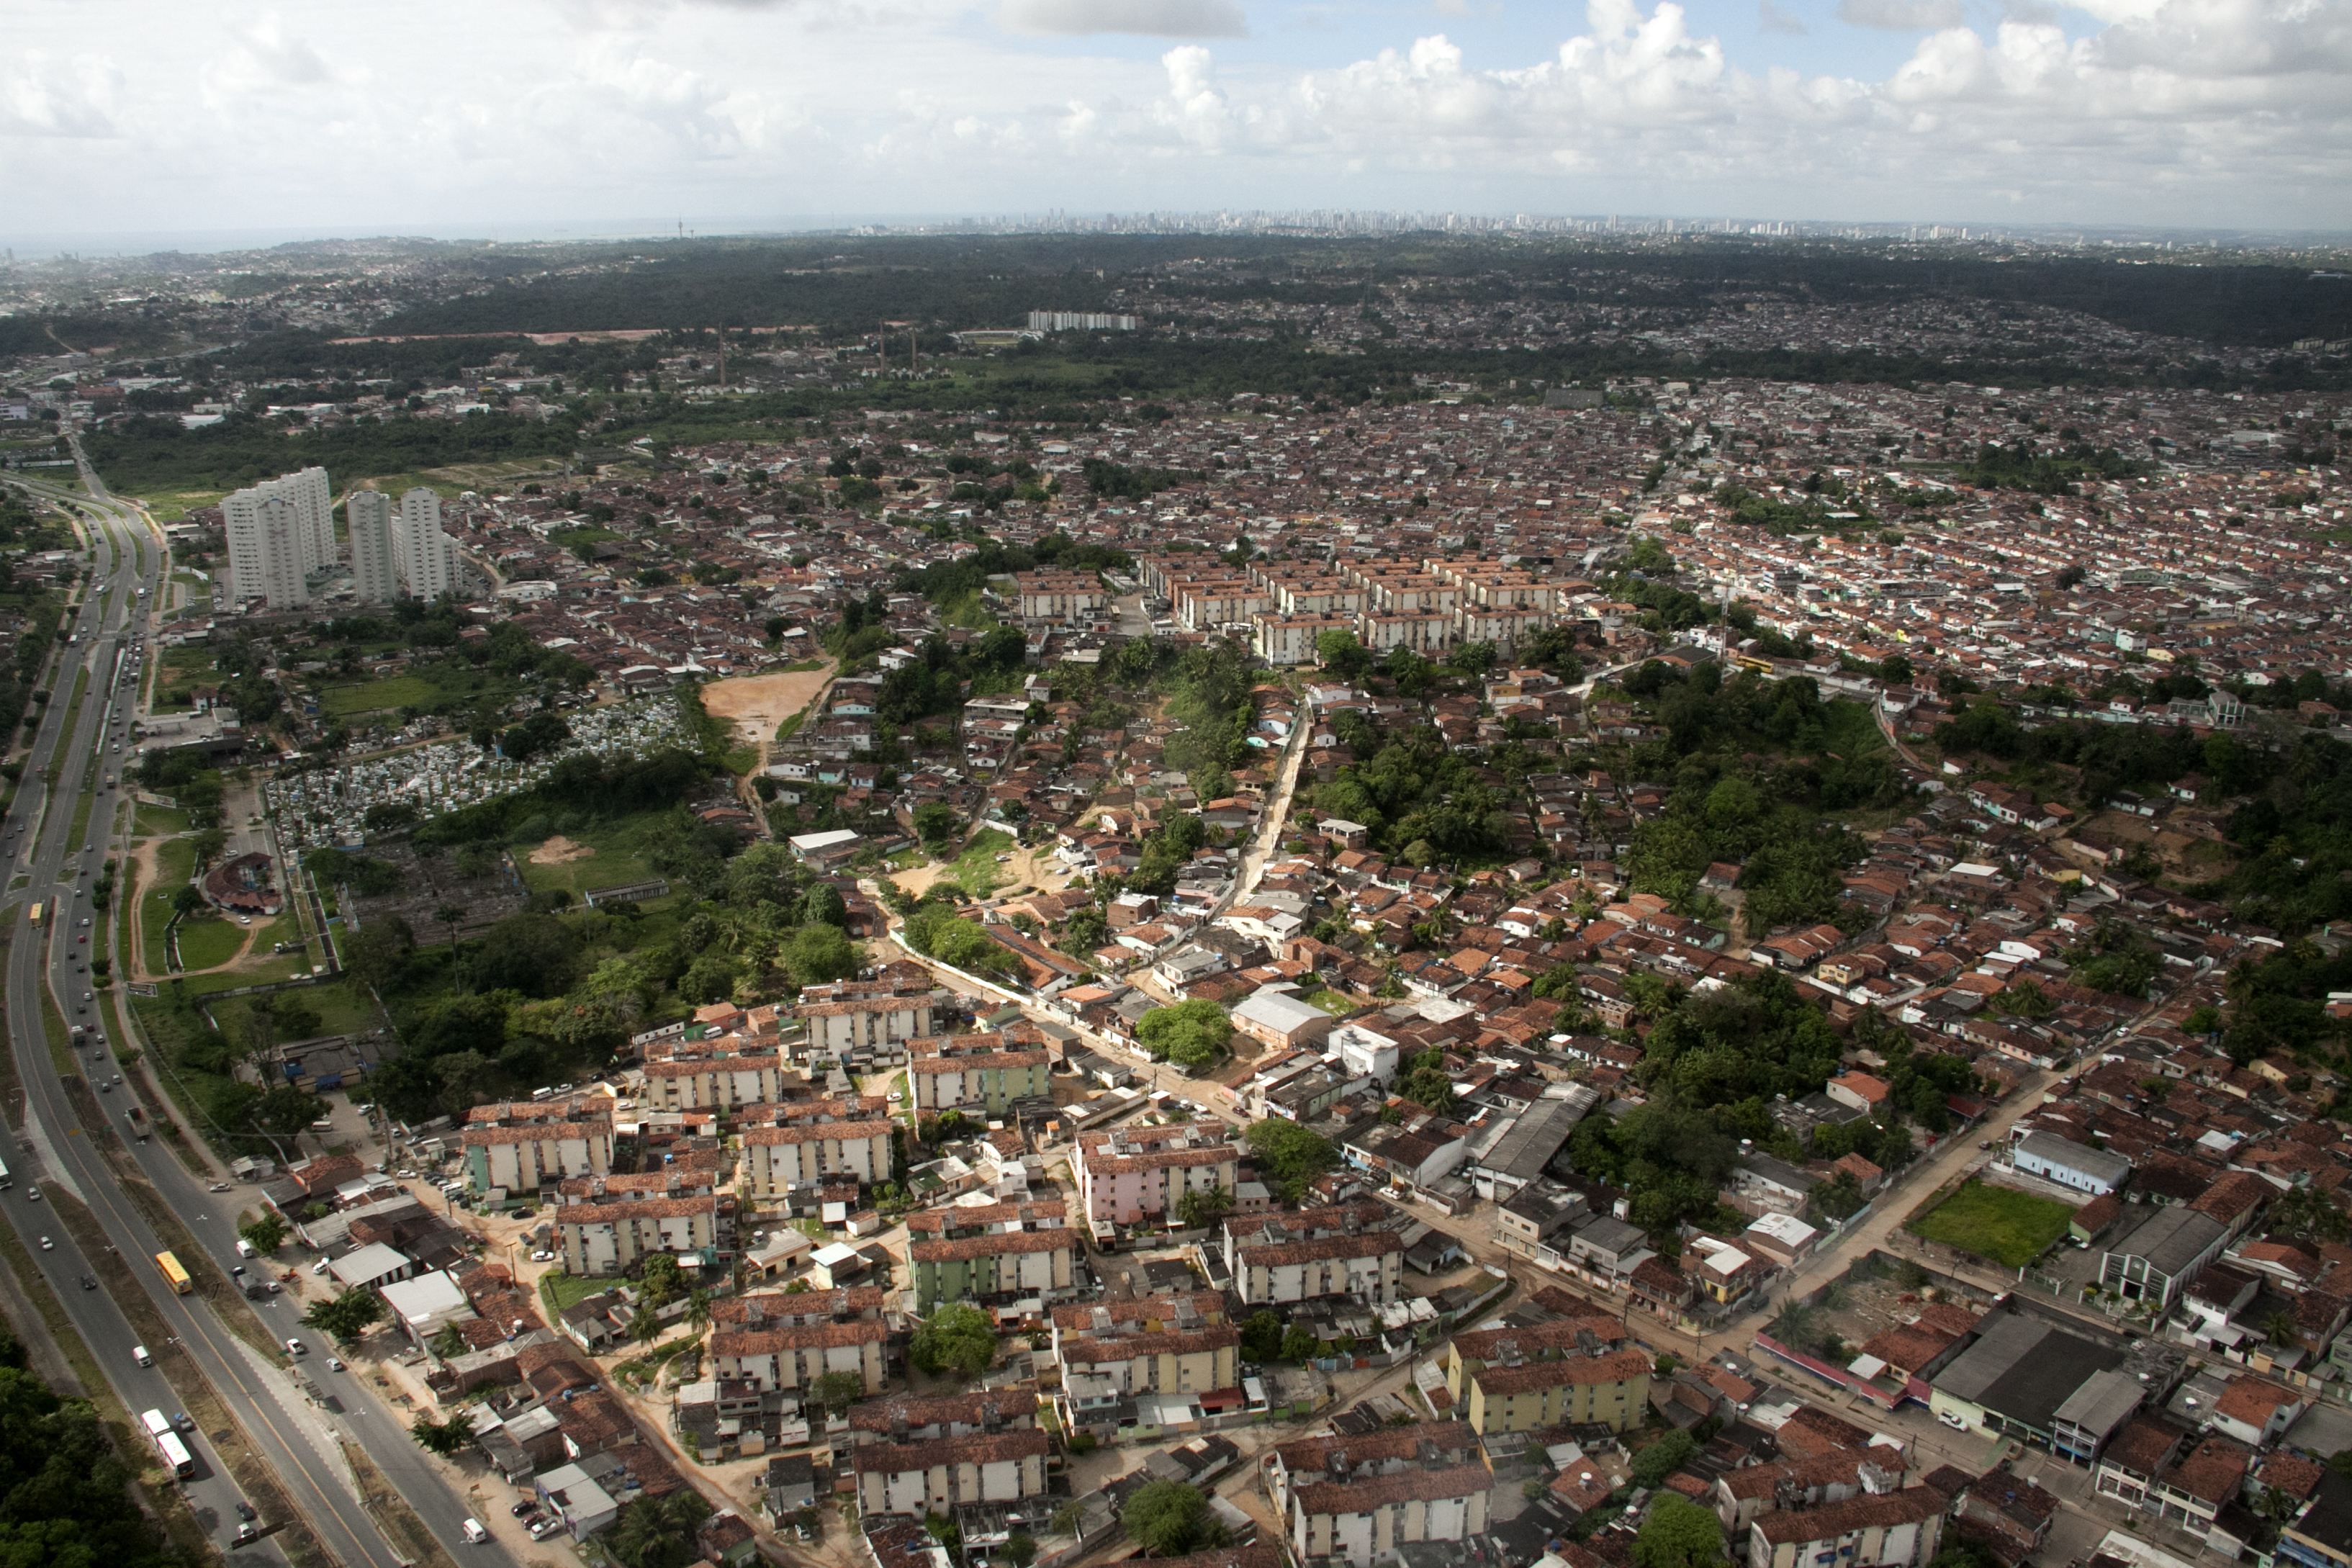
(542, 1257)
(334, 1365)
(48, 1246)
(1956, 1423)
(296, 1347)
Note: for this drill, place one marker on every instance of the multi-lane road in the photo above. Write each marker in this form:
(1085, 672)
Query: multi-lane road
(298, 1440)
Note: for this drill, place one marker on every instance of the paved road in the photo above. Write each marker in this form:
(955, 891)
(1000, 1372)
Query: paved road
(295, 1439)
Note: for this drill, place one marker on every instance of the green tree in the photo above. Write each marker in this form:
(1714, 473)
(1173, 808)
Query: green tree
(1169, 1518)
(697, 1310)
(1293, 1155)
(958, 1337)
(644, 1324)
(1298, 1345)
(266, 1232)
(662, 1280)
(822, 905)
(1262, 1336)
(658, 1532)
(1678, 1534)
(816, 954)
(1655, 1461)
(446, 1438)
(348, 1316)
(1019, 1549)
(1191, 1034)
(450, 1342)
(1203, 1206)
(1342, 653)
(837, 1390)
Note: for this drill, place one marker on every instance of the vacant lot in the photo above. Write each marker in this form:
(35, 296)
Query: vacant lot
(378, 695)
(209, 943)
(2009, 1228)
(759, 704)
(613, 858)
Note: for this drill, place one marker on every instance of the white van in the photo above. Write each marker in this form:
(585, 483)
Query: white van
(245, 1249)
(139, 1353)
(475, 1533)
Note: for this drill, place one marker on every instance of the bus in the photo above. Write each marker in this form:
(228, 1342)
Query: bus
(36, 914)
(181, 1283)
(167, 1444)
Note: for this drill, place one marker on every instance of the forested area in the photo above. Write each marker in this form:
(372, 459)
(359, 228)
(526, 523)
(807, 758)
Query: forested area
(64, 1488)
(141, 454)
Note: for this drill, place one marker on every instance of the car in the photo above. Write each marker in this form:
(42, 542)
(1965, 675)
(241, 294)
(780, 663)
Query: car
(34, 1194)
(218, 1188)
(296, 1347)
(473, 1531)
(236, 1270)
(245, 1509)
(542, 1257)
(1000, 860)
(245, 1533)
(48, 1246)
(319, 1266)
(528, 1505)
(541, 1529)
(88, 1282)
(87, 848)
(245, 920)
(405, 1176)
(181, 1419)
(105, 1088)
(82, 938)
(1956, 1423)
(334, 1365)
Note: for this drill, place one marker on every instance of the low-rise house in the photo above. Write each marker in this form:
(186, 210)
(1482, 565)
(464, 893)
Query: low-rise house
(1344, 1249)
(1611, 1387)
(1890, 1529)
(993, 1265)
(2061, 1159)
(777, 1159)
(611, 1237)
(1359, 1497)
(976, 1072)
(919, 1478)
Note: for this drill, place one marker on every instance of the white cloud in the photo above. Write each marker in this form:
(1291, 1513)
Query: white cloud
(48, 96)
(1903, 16)
(1771, 18)
(2180, 111)
(1153, 18)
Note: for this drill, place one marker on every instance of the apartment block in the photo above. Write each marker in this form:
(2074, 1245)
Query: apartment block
(976, 1071)
(609, 1237)
(1359, 1497)
(776, 1159)
(1001, 1263)
(714, 1083)
(919, 1478)
(1345, 1250)
(1139, 1176)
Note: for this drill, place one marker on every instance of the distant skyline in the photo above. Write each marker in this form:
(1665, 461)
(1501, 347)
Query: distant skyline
(143, 118)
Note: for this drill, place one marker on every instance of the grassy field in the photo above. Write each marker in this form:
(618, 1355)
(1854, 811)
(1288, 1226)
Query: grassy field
(160, 821)
(340, 1012)
(561, 1292)
(378, 695)
(174, 505)
(209, 943)
(976, 871)
(618, 858)
(175, 862)
(2009, 1228)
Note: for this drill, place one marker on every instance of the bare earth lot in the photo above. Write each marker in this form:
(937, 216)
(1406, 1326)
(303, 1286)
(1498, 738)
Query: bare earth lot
(759, 703)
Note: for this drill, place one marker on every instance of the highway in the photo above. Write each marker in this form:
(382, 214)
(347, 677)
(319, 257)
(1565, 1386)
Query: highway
(295, 1439)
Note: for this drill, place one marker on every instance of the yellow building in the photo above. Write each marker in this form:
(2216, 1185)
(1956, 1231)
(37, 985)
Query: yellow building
(1612, 1388)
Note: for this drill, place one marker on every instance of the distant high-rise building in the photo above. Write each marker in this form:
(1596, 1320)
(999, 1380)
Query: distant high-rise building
(314, 514)
(279, 532)
(425, 557)
(1080, 321)
(372, 574)
(266, 542)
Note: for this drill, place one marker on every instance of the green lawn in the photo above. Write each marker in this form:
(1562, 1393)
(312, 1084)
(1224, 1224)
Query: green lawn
(175, 862)
(2009, 1228)
(209, 943)
(378, 695)
(160, 821)
(1331, 1002)
(976, 871)
(563, 1291)
(619, 847)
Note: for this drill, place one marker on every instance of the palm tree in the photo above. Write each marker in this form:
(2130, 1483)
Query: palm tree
(698, 1310)
(645, 1327)
(449, 915)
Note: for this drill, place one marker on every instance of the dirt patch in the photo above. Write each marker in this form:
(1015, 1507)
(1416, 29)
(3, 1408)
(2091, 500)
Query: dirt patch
(759, 703)
(558, 850)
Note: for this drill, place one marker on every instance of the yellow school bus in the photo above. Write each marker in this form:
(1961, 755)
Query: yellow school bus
(177, 1276)
(36, 914)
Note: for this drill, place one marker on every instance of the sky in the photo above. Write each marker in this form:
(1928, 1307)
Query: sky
(517, 118)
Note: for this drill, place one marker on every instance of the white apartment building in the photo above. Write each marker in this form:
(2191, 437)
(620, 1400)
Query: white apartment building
(372, 572)
(426, 561)
(279, 532)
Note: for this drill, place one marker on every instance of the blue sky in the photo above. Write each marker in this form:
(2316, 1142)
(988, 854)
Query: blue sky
(443, 117)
